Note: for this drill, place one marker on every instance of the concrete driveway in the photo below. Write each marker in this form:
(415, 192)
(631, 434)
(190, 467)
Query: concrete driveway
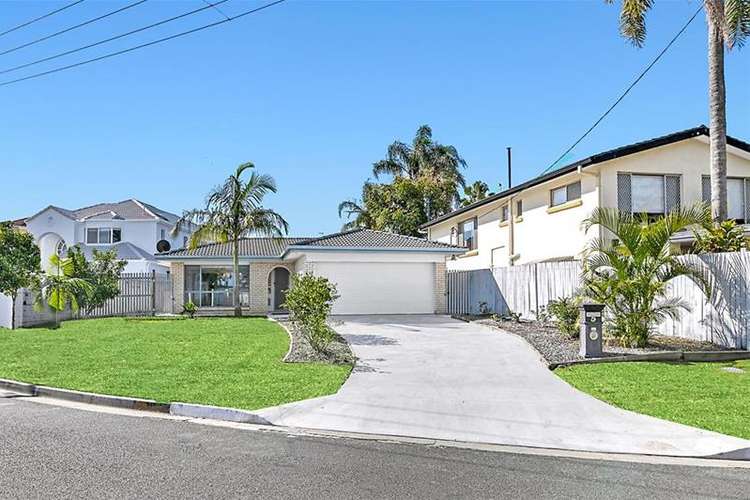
(435, 377)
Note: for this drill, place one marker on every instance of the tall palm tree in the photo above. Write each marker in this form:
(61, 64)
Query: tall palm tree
(424, 158)
(234, 210)
(728, 25)
(630, 275)
(479, 190)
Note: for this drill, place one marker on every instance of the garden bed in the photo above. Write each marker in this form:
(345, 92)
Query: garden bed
(337, 352)
(555, 348)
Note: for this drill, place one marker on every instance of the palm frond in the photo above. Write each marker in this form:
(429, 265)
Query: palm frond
(633, 20)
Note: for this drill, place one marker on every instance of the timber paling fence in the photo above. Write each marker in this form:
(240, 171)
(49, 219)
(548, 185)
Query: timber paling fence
(141, 294)
(722, 317)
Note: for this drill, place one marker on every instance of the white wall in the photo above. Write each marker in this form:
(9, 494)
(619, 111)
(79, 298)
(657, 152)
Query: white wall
(5, 311)
(541, 235)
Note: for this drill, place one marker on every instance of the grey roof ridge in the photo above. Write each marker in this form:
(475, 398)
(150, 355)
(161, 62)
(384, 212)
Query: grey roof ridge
(310, 243)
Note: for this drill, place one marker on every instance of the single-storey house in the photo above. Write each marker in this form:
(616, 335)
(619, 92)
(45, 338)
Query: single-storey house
(540, 220)
(375, 272)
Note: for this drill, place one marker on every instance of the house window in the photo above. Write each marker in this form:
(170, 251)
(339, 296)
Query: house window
(467, 234)
(519, 208)
(738, 197)
(564, 194)
(504, 213)
(103, 235)
(653, 195)
(212, 286)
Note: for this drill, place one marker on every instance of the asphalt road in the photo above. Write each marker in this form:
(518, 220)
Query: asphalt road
(48, 451)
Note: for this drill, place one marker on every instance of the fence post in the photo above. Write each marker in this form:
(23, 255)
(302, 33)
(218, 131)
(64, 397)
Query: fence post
(153, 292)
(536, 290)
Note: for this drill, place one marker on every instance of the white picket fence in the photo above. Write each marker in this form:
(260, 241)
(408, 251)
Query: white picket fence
(723, 318)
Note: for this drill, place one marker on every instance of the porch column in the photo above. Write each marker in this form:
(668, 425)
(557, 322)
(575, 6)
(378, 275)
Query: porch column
(440, 292)
(177, 271)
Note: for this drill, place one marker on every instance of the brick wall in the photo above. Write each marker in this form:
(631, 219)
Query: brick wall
(440, 291)
(259, 272)
(177, 270)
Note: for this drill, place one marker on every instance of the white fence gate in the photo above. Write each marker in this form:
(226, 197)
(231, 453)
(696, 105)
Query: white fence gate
(520, 289)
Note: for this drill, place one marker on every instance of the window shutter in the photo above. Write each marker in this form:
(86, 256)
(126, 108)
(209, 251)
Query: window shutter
(706, 189)
(624, 200)
(672, 193)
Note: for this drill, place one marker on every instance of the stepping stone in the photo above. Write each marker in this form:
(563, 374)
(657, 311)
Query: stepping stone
(732, 369)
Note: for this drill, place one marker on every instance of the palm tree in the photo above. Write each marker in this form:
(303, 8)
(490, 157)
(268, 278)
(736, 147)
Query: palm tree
(630, 275)
(424, 158)
(728, 25)
(479, 190)
(59, 287)
(234, 210)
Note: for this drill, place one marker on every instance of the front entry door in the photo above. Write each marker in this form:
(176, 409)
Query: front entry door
(280, 286)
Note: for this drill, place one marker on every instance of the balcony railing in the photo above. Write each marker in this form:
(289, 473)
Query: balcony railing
(215, 298)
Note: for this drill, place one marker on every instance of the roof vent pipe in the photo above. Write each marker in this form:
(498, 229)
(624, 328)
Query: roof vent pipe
(509, 167)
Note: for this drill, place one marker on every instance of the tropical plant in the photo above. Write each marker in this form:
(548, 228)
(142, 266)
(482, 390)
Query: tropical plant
(59, 288)
(309, 301)
(189, 308)
(232, 211)
(19, 263)
(725, 236)
(728, 26)
(475, 192)
(566, 312)
(629, 275)
(102, 272)
(356, 211)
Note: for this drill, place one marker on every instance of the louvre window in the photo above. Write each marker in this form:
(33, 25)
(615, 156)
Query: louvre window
(654, 195)
(504, 213)
(519, 208)
(103, 235)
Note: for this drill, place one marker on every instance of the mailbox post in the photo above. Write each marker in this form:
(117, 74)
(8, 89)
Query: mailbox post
(591, 330)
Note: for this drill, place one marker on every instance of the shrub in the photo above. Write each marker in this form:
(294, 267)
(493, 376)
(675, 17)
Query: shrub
(565, 312)
(190, 309)
(309, 301)
(726, 236)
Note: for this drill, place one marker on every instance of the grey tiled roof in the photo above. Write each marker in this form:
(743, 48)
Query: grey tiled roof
(269, 247)
(126, 209)
(249, 247)
(367, 238)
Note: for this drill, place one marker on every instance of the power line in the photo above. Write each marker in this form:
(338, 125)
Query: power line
(32, 21)
(215, 8)
(71, 28)
(144, 45)
(116, 37)
(627, 91)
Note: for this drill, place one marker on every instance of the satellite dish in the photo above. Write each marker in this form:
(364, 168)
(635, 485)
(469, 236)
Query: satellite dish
(163, 246)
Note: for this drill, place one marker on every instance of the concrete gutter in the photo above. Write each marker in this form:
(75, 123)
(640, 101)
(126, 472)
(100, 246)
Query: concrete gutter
(216, 413)
(85, 397)
(673, 356)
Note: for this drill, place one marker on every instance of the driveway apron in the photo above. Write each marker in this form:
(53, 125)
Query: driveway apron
(436, 377)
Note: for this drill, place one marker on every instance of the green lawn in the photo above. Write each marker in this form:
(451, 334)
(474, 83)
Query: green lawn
(221, 361)
(697, 394)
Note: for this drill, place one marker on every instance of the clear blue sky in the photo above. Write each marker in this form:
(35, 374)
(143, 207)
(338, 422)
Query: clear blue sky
(313, 92)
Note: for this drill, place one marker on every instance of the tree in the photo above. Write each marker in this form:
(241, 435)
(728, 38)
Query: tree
(232, 211)
(19, 263)
(475, 192)
(59, 288)
(356, 212)
(630, 275)
(728, 25)
(426, 159)
(102, 272)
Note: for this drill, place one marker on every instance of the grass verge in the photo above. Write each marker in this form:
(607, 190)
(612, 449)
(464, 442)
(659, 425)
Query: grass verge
(216, 361)
(698, 394)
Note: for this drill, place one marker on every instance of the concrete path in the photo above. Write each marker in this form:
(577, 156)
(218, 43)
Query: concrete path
(435, 377)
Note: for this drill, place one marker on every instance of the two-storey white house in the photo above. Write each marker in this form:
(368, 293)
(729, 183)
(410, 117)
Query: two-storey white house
(540, 220)
(131, 227)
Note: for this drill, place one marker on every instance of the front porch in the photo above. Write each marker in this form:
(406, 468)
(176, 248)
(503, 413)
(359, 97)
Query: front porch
(210, 287)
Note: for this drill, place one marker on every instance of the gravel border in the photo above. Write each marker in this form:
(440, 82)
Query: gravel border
(555, 348)
(300, 350)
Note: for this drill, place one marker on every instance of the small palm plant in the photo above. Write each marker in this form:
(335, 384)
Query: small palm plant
(630, 275)
(59, 288)
(234, 210)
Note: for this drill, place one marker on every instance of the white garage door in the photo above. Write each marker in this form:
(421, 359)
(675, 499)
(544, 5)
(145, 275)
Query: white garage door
(381, 288)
